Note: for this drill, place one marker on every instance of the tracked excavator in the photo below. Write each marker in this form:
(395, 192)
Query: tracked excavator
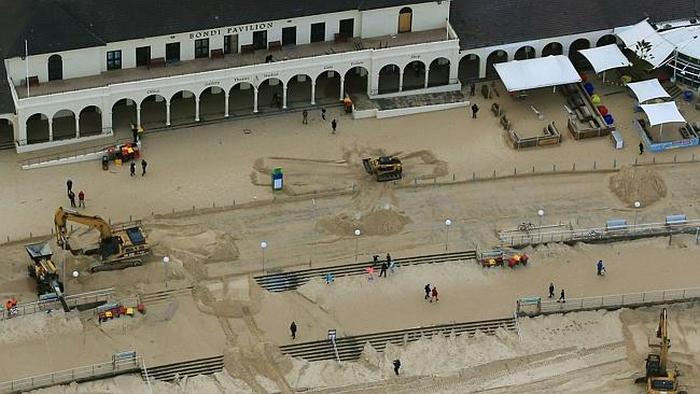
(659, 379)
(120, 245)
(384, 168)
(44, 271)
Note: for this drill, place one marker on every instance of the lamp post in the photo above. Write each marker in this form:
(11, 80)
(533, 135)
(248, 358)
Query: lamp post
(357, 240)
(637, 205)
(263, 246)
(166, 260)
(448, 223)
(540, 213)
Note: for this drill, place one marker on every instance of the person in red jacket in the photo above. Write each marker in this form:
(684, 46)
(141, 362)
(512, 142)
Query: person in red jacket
(81, 199)
(434, 294)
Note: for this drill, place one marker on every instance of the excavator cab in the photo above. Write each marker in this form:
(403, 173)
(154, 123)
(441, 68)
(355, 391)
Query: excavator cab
(45, 272)
(384, 168)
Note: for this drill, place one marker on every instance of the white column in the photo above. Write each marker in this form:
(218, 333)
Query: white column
(77, 126)
(400, 80)
(483, 62)
(196, 109)
(106, 121)
(342, 87)
(50, 129)
(369, 83)
(284, 96)
(255, 100)
(313, 92)
(138, 115)
(454, 71)
(427, 75)
(167, 112)
(226, 105)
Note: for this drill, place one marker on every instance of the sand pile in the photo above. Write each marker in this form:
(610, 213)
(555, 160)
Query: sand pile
(193, 242)
(377, 222)
(642, 184)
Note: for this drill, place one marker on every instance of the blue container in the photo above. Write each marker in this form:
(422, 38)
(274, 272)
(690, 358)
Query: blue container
(688, 95)
(589, 88)
(277, 178)
(609, 119)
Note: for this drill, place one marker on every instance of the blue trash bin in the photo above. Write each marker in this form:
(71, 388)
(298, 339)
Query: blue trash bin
(609, 119)
(589, 88)
(688, 96)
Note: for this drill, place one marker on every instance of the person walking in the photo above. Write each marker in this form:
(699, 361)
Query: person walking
(71, 197)
(427, 291)
(600, 268)
(305, 117)
(551, 290)
(334, 125)
(472, 89)
(475, 109)
(293, 329)
(383, 270)
(69, 186)
(434, 295)
(134, 133)
(132, 168)
(397, 366)
(370, 273)
(81, 199)
(641, 147)
(388, 258)
(144, 163)
(562, 296)
(323, 113)
(392, 266)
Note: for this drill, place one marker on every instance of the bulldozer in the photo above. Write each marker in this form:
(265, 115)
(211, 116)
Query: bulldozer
(384, 168)
(659, 378)
(44, 271)
(119, 246)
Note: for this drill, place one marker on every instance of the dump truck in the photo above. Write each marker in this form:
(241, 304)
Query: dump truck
(119, 246)
(384, 168)
(44, 271)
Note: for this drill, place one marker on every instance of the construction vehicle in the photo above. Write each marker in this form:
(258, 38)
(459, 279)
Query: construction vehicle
(120, 245)
(659, 379)
(44, 271)
(384, 168)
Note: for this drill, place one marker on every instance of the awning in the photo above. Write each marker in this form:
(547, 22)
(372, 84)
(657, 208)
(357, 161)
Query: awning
(658, 48)
(648, 90)
(662, 113)
(686, 39)
(605, 58)
(537, 73)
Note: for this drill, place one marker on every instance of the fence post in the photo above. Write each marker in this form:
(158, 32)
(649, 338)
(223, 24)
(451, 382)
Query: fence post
(515, 171)
(595, 165)
(533, 169)
(494, 173)
(554, 168)
(674, 158)
(473, 176)
(614, 163)
(653, 160)
(453, 177)
(573, 167)
(635, 161)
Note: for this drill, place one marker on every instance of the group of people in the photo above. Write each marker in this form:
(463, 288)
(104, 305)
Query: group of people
(389, 264)
(431, 293)
(71, 196)
(600, 271)
(132, 168)
(305, 119)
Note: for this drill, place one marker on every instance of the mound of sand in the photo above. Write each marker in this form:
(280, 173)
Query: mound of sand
(632, 184)
(377, 222)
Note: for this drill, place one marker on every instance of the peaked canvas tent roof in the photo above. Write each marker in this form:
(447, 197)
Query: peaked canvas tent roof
(662, 113)
(606, 57)
(648, 90)
(659, 50)
(537, 73)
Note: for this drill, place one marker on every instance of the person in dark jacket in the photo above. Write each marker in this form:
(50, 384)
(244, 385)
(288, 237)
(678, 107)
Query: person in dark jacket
(293, 329)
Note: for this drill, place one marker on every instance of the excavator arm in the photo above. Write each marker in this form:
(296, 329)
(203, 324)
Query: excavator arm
(63, 216)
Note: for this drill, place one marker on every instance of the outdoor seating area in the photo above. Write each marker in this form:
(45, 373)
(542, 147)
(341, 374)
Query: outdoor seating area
(550, 136)
(588, 117)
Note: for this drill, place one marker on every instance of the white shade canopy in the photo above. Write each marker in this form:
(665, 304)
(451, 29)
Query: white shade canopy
(660, 48)
(663, 113)
(537, 73)
(605, 58)
(648, 90)
(686, 40)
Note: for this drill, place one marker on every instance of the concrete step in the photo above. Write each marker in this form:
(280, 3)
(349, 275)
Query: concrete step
(201, 366)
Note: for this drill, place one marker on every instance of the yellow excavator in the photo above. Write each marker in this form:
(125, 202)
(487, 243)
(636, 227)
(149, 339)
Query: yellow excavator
(46, 274)
(384, 168)
(659, 379)
(120, 245)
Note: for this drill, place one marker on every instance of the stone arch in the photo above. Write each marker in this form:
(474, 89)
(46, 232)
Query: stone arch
(439, 72)
(469, 67)
(270, 93)
(240, 98)
(153, 111)
(7, 133)
(356, 80)
(606, 40)
(37, 128)
(578, 59)
(55, 68)
(328, 86)
(183, 107)
(64, 125)
(90, 121)
(414, 75)
(388, 79)
(299, 89)
(525, 52)
(123, 114)
(497, 56)
(552, 49)
(405, 20)
(212, 103)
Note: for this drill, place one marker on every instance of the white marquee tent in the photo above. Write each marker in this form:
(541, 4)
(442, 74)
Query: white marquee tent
(686, 40)
(537, 73)
(660, 48)
(648, 90)
(661, 113)
(605, 58)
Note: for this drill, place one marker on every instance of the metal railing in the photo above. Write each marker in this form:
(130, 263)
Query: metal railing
(72, 153)
(72, 300)
(90, 372)
(616, 301)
